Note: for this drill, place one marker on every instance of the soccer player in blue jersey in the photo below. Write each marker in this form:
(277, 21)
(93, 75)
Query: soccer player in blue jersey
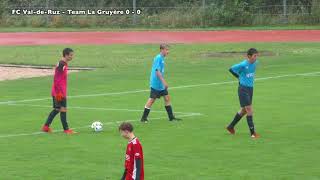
(158, 85)
(245, 72)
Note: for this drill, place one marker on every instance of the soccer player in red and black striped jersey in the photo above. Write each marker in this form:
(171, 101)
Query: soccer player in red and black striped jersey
(134, 168)
(59, 93)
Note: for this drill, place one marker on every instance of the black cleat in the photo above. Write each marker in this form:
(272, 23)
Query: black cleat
(175, 119)
(144, 120)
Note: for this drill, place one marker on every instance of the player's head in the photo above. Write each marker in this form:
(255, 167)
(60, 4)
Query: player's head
(126, 130)
(252, 55)
(67, 53)
(164, 49)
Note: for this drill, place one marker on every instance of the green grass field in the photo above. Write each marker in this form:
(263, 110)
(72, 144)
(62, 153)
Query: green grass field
(286, 114)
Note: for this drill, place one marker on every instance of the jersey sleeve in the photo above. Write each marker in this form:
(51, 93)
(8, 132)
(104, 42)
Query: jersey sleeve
(237, 68)
(61, 66)
(58, 82)
(137, 151)
(157, 64)
(138, 170)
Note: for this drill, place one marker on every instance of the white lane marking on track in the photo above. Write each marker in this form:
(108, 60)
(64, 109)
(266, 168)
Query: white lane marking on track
(177, 87)
(84, 127)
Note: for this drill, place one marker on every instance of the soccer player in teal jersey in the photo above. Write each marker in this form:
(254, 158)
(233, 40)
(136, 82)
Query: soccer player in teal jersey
(245, 72)
(158, 85)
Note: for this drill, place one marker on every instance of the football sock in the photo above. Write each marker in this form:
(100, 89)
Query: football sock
(145, 113)
(51, 117)
(63, 116)
(250, 124)
(236, 119)
(169, 111)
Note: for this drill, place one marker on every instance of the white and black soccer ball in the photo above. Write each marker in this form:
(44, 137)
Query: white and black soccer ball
(97, 126)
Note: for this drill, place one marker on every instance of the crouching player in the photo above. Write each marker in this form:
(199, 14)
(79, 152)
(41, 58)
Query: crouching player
(245, 72)
(59, 93)
(134, 168)
(158, 85)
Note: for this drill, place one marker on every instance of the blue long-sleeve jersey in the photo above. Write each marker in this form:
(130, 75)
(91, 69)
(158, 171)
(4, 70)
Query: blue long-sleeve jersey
(245, 71)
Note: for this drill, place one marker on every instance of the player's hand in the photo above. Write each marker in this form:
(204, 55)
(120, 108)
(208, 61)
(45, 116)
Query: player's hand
(59, 97)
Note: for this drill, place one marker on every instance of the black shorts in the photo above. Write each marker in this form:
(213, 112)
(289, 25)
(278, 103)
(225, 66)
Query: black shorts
(58, 105)
(154, 94)
(245, 95)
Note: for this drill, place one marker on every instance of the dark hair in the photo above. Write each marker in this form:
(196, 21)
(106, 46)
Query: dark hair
(66, 51)
(164, 46)
(126, 126)
(252, 51)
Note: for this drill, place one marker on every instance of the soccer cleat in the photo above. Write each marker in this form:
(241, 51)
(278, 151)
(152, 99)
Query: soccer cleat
(144, 120)
(47, 129)
(69, 131)
(255, 136)
(175, 119)
(231, 130)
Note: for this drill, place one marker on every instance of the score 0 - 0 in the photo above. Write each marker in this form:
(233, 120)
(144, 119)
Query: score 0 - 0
(138, 12)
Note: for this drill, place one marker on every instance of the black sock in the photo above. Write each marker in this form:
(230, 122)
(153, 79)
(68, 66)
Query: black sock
(169, 111)
(145, 113)
(250, 124)
(63, 116)
(51, 117)
(236, 119)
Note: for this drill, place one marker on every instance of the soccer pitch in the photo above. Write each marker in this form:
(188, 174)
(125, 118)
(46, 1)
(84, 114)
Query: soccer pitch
(204, 94)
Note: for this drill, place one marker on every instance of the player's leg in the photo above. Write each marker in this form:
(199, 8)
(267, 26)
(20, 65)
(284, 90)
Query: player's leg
(168, 107)
(52, 115)
(147, 109)
(167, 102)
(236, 119)
(150, 103)
(244, 100)
(63, 117)
(249, 110)
(154, 94)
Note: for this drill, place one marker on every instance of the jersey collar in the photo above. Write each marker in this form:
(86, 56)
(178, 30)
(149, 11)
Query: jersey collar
(132, 140)
(162, 55)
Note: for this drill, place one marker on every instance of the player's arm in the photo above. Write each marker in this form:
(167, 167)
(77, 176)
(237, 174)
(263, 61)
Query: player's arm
(138, 171)
(59, 89)
(234, 73)
(137, 150)
(235, 70)
(59, 92)
(124, 175)
(159, 75)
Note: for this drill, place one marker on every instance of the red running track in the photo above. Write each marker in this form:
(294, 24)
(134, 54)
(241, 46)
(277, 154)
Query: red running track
(155, 37)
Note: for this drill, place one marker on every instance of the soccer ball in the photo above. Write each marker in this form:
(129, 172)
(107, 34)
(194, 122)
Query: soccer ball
(97, 126)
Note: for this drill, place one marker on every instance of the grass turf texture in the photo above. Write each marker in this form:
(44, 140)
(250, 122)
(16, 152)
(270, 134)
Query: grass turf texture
(197, 148)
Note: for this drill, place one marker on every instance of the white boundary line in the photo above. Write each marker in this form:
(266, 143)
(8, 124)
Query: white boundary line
(177, 87)
(85, 127)
(97, 108)
(133, 92)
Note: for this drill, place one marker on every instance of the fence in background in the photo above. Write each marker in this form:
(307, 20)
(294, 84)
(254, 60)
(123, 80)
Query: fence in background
(201, 15)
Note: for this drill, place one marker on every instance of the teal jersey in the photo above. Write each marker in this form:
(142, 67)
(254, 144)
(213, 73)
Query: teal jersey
(246, 72)
(158, 65)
